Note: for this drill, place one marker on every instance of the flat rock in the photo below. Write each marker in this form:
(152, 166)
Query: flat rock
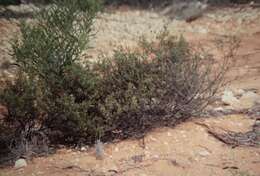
(249, 99)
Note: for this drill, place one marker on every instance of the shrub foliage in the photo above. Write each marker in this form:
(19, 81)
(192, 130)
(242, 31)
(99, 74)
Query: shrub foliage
(56, 99)
(53, 92)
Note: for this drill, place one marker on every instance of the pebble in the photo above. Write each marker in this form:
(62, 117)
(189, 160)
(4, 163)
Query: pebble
(83, 149)
(229, 98)
(204, 153)
(20, 163)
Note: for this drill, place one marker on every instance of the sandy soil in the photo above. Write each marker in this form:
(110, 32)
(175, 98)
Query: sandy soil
(186, 150)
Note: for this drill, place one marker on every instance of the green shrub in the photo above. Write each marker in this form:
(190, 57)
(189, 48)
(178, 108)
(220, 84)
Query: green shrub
(125, 91)
(53, 92)
(164, 82)
(24, 118)
(55, 98)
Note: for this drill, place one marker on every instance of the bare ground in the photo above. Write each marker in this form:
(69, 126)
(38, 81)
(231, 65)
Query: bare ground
(188, 149)
(185, 150)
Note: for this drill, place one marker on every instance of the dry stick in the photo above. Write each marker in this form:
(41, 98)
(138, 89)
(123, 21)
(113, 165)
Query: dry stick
(211, 129)
(214, 134)
(217, 136)
(230, 137)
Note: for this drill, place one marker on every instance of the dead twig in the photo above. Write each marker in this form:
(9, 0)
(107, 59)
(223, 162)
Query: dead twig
(220, 137)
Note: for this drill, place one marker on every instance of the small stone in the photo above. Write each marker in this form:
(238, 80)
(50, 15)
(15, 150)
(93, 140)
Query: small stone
(116, 149)
(251, 3)
(249, 99)
(153, 139)
(229, 99)
(219, 109)
(20, 163)
(165, 143)
(156, 156)
(202, 30)
(83, 149)
(204, 153)
(169, 134)
(239, 92)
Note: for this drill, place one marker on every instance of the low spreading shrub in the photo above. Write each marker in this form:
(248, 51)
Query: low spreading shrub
(162, 83)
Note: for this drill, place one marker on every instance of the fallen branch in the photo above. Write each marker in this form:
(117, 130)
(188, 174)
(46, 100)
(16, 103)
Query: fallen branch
(250, 138)
(237, 139)
(220, 137)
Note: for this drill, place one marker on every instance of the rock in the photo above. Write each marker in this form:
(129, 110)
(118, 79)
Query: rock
(116, 149)
(194, 11)
(169, 134)
(83, 149)
(204, 153)
(239, 92)
(20, 163)
(202, 30)
(229, 99)
(246, 101)
(187, 11)
(220, 111)
(249, 99)
(254, 112)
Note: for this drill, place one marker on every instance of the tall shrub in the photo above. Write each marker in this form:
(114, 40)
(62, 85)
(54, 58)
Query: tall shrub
(53, 92)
